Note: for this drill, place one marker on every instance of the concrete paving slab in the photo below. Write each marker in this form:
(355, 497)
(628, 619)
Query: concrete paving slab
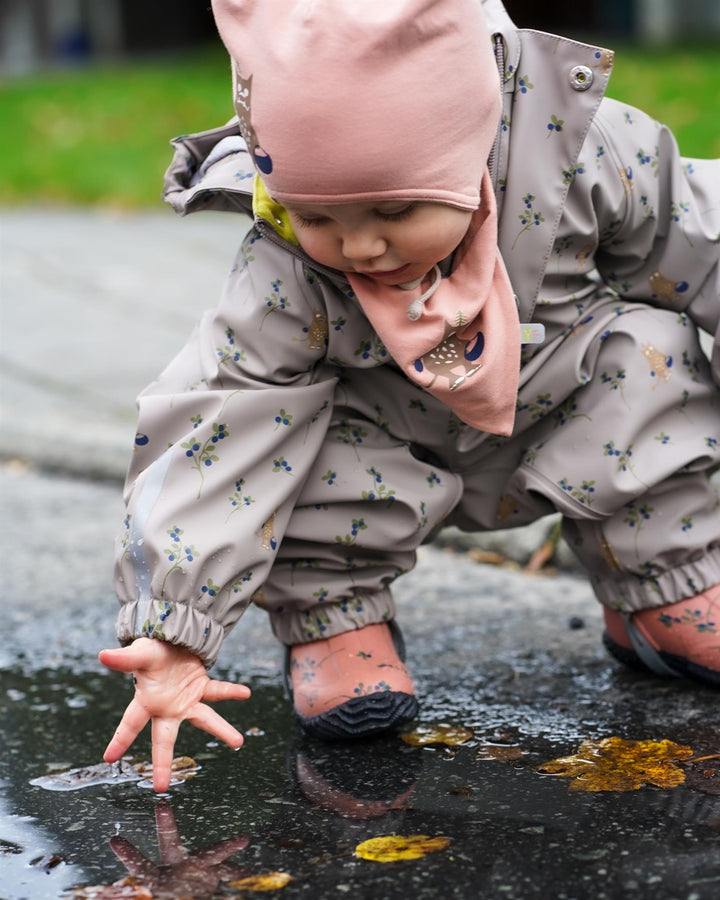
(94, 304)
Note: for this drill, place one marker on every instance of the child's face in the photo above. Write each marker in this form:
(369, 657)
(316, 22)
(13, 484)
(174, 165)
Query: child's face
(392, 241)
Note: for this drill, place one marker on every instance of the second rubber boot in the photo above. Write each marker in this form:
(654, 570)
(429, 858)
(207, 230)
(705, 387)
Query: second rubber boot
(351, 685)
(681, 639)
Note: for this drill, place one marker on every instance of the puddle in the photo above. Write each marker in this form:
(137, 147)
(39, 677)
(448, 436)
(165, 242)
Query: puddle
(286, 804)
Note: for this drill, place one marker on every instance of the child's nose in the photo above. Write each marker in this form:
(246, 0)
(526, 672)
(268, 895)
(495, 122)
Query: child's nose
(362, 243)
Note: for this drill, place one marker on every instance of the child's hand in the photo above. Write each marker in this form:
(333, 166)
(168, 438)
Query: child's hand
(170, 685)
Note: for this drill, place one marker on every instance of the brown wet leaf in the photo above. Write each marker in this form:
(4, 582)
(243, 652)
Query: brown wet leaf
(500, 752)
(616, 764)
(9, 848)
(270, 881)
(396, 847)
(440, 733)
(462, 790)
(487, 557)
(181, 768)
(702, 773)
(541, 556)
(126, 889)
(47, 862)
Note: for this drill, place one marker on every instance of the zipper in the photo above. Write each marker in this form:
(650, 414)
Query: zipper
(269, 233)
(495, 151)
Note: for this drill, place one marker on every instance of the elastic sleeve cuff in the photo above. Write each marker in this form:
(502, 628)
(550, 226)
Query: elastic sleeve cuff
(176, 623)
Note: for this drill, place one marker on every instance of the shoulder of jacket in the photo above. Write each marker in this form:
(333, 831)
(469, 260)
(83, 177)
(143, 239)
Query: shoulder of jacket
(210, 170)
(618, 117)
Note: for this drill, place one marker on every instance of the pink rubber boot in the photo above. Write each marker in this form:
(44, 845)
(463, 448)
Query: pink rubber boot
(351, 685)
(676, 640)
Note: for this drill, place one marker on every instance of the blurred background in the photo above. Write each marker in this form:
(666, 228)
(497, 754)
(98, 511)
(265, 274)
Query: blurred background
(90, 92)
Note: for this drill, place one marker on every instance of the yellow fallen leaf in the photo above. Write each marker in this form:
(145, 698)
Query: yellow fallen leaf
(271, 881)
(615, 764)
(394, 847)
(442, 733)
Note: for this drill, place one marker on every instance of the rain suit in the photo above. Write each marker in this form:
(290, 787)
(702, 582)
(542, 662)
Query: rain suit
(283, 458)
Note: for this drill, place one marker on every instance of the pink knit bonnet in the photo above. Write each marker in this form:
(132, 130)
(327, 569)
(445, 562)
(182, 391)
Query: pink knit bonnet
(353, 100)
(346, 101)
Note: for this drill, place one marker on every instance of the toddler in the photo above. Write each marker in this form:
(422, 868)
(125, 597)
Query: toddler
(470, 296)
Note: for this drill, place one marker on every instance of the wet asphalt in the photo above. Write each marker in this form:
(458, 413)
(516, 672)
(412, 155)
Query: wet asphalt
(93, 305)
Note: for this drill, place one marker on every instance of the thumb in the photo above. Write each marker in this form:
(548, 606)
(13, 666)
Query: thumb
(143, 653)
(120, 659)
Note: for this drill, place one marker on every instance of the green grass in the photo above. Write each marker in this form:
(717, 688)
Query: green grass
(679, 86)
(100, 135)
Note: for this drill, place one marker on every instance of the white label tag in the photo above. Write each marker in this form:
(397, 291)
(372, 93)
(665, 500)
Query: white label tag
(532, 333)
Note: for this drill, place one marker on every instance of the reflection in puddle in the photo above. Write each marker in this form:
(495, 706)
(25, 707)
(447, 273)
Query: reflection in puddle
(330, 777)
(178, 872)
(287, 804)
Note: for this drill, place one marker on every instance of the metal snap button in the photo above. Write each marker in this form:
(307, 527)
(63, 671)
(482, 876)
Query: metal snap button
(581, 77)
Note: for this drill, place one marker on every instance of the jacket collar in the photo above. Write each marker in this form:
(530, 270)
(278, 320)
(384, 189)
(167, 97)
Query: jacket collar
(210, 170)
(501, 25)
(531, 191)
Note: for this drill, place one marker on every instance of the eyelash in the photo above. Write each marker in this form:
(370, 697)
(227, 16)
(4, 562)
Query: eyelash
(386, 217)
(397, 216)
(308, 223)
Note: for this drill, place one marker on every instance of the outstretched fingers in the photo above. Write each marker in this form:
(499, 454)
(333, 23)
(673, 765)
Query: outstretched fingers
(130, 856)
(204, 717)
(164, 734)
(171, 684)
(225, 690)
(132, 723)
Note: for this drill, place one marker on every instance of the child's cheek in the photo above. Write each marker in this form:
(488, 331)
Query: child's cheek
(309, 243)
(321, 251)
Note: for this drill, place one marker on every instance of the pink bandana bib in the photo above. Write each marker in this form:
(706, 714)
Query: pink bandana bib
(464, 348)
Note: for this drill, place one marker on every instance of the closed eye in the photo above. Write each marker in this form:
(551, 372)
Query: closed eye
(308, 221)
(396, 215)
(386, 215)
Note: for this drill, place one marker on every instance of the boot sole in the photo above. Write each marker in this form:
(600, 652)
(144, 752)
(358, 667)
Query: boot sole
(362, 717)
(682, 666)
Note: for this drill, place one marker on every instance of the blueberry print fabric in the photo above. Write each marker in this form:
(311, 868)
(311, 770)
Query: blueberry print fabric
(284, 459)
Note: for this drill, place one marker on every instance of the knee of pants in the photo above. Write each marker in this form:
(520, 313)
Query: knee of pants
(366, 506)
(648, 410)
